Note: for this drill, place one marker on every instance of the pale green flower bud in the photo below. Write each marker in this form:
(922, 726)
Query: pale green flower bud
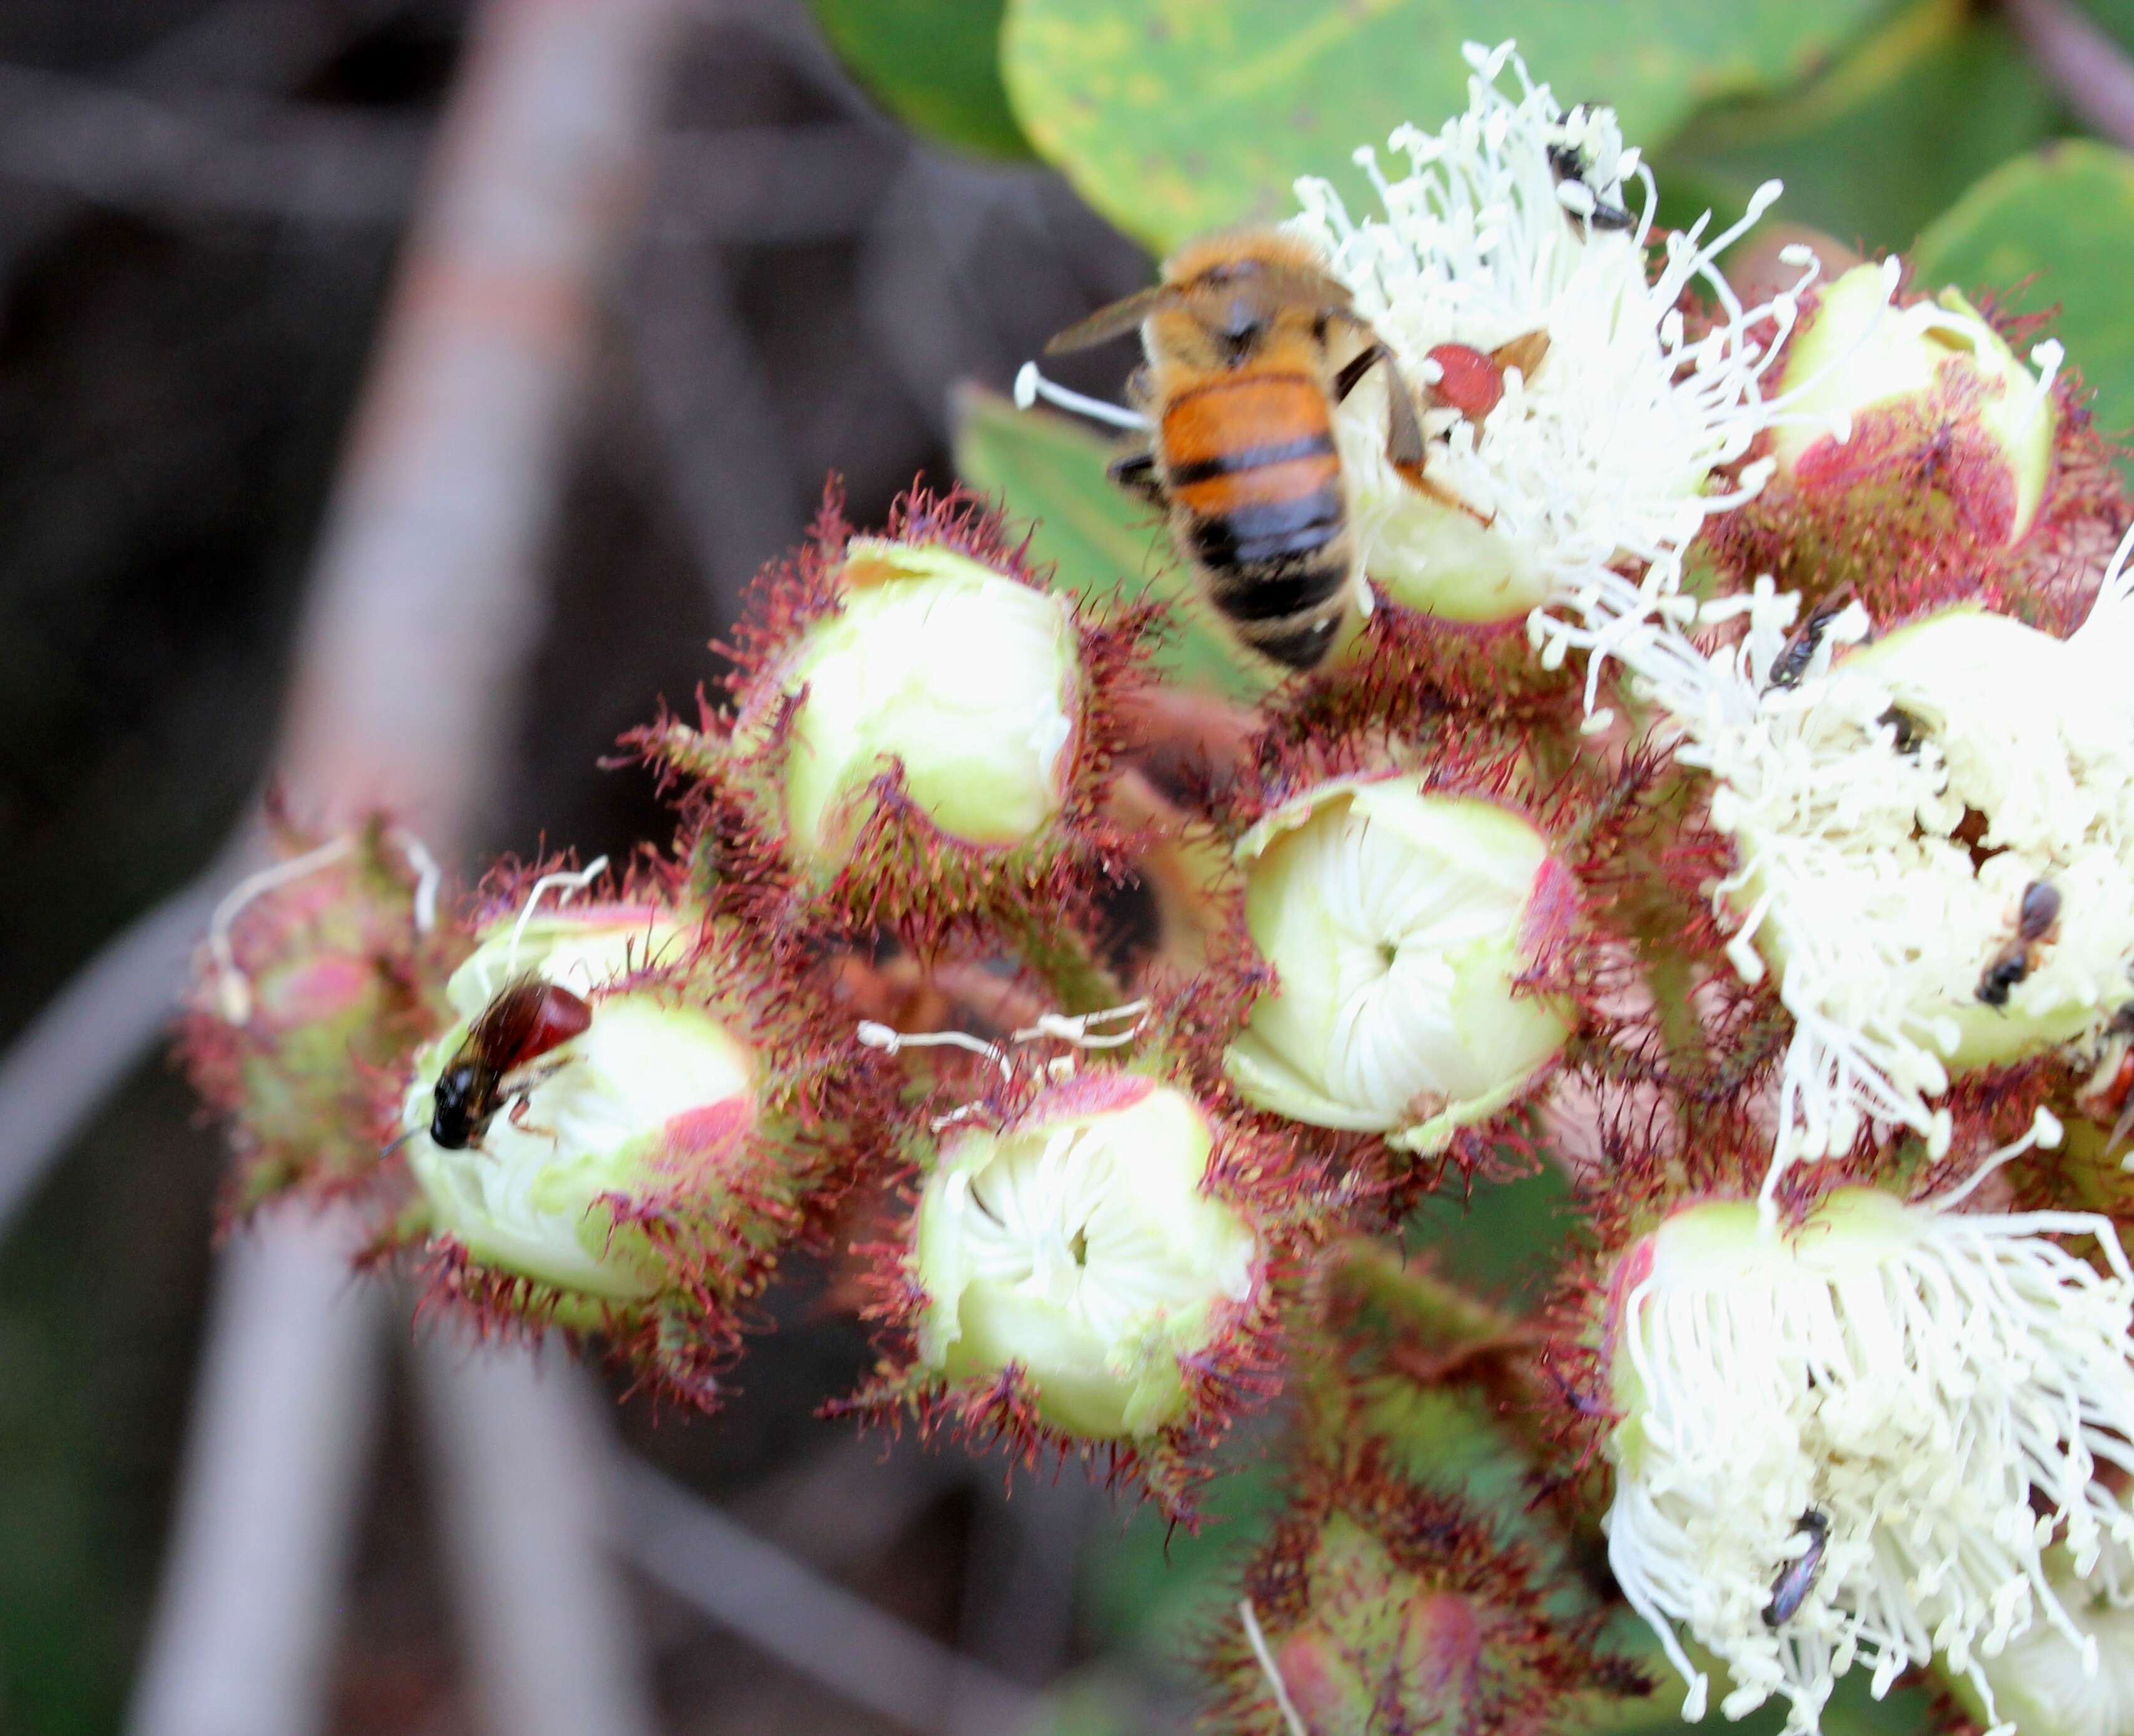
(968, 680)
(648, 1093)
(1399, 921)
(1081, 1246)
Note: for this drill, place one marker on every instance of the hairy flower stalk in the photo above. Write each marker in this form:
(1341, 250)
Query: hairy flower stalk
(1921, 1398)
(1401, 923)
(1085, 1268)
(1891, 811)
(1519, 220)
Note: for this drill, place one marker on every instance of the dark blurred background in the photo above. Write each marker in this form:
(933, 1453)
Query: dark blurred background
(200, 202)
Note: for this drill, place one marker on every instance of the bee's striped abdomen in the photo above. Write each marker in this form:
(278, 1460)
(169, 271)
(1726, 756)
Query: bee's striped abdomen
(1250, 461)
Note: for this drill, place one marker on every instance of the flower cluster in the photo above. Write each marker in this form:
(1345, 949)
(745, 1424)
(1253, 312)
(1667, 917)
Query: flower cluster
(1719, 785)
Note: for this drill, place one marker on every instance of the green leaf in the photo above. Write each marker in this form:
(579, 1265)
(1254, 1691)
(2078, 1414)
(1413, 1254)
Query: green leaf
(1174, 117)
(2066, 215)
(933, 64)
(1105, 543)
(1932, 101)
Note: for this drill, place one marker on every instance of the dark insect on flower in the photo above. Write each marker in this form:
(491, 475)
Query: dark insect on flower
(1570, 165)
(527, 1020)
(1792, 663)
(2034, 917)
(1790, 1589)
(1907, 729)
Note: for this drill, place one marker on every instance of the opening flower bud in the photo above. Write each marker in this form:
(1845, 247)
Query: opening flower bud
(1925, 393)
(1400, 921)
(1081, 1246)
(640, 1111)
(1854, 1441)
(966, 679)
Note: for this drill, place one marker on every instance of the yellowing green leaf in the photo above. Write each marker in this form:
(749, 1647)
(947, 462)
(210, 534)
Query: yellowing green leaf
(1174, 117)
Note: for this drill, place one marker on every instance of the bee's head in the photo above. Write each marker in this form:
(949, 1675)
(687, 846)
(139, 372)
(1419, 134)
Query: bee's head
(451, 1111)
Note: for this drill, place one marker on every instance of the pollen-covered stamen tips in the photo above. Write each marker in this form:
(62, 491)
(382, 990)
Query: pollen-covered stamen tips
(1920, 1399)
(1402, 920)
(923, 731)
(1934, 841)
(1088, 1270)
(1520, 223)
(634, 1164)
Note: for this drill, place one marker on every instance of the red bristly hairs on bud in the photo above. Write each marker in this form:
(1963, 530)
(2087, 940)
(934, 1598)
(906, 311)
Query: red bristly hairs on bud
(743, 1192)
(1476, 1650)
(902, 873)
(334, 980)
(1405, 671)
(1249, 1170)
(1850, 524)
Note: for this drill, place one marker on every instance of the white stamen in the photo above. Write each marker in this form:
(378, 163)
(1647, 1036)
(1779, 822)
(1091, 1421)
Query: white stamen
(562, 884)
(874, 1035)
(1258, 1642)
(1077, 1030)
(429, 876)
(1031, 385)
(233, 988)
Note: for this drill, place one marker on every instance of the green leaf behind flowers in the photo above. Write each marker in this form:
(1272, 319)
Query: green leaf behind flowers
(2064, 216)
(1174, 117)
(933, 64)
(1873, 147)
(1105, 543)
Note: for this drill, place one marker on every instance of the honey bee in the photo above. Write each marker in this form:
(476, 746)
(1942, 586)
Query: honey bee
(2034, 917)
(497, 1061)
(1250, 344)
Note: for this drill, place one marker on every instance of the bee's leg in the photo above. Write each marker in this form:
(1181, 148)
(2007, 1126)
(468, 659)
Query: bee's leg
(1136, 473)
(517, 1117)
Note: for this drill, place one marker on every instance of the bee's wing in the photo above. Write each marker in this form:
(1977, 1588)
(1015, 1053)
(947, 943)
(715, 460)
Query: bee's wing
(1115, 321)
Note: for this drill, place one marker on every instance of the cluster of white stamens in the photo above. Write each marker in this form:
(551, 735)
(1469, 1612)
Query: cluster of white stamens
(1940, 1388)
(1889, 806)
(1598, 458)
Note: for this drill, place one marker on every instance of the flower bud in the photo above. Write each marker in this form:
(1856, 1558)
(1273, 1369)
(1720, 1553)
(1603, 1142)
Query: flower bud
(1852, 1441)
(922, 734)
(1401, 922)
(1080, 1244)
(1084, 1269)
(1380, 1604)
(635, 1166)
(1932, 414)
(314, 983)
(965, 679)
